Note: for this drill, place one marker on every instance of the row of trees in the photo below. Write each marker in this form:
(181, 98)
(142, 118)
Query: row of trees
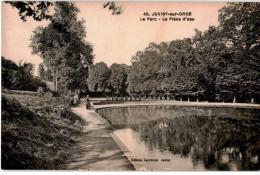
(108, 80)
(61, 44)
(218, 64)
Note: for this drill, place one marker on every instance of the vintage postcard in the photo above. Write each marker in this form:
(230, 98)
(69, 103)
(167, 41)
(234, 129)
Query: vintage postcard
(130, 86)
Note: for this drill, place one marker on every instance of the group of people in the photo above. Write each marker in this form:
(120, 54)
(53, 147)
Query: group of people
(74, 100)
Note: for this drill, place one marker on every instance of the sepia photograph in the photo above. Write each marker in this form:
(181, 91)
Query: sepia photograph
(130, 86)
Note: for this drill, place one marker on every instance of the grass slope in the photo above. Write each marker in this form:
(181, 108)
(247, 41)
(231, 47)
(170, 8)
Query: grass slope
(36, 136)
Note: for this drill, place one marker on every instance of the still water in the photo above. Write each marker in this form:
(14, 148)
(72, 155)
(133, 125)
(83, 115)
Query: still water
(188, 138)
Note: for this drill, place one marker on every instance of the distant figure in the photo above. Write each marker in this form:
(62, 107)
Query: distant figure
(40, 91)
(70, 98)
(80, 95)
(76, 99)
(87, 102)
(234, 100)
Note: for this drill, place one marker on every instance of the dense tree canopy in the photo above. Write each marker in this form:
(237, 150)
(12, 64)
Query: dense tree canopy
(240, 27)
(108, 79)
(19, 77)
(240, 24)
(219, 64)
(118, 77)
(215, 65)
(63, 48)
(98, 77)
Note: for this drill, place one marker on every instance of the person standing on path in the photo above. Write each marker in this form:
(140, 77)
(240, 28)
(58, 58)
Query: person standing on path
(87, 102)
(76, 99)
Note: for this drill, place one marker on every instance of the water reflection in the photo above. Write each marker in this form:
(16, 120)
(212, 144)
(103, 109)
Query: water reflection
(215, 138)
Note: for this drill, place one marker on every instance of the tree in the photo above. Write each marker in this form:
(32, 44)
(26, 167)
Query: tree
(99, 76)
(48, 75)
(37, 10)
(40, 10)
(180, 67)
(211, 52)
(41, 71)
(146, 72)
(164, 68)
(116, 9)
(28, 68)
(19, 77)
(239, 23)
(8, 72)
(215, 65)
(118, 78)
(62, 46)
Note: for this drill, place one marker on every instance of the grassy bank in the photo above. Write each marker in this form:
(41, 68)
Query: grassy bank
(38, 133)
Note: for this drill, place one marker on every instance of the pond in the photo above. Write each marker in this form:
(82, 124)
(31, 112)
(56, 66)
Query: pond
(188, 138)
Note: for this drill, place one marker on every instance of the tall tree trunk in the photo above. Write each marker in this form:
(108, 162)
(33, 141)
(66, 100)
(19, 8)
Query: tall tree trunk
(55, 80)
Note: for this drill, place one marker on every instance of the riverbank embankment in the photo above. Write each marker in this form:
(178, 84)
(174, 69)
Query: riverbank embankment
(179, 103)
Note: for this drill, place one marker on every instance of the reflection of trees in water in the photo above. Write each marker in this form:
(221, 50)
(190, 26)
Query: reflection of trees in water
(215, 141)
(218, 137)
(134, 115)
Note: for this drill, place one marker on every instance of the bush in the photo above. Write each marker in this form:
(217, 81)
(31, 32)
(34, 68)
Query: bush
(18, 78)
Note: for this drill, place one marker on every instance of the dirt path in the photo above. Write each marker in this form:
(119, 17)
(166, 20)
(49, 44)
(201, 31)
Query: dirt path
(98, 149)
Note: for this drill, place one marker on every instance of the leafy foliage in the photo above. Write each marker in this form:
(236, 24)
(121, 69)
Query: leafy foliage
(44, 74)
(118, 78)
(38, 10)
(111, 5)
(63, 48)
(98, 77)
(19, 77)
(216, 65)
(112, 79)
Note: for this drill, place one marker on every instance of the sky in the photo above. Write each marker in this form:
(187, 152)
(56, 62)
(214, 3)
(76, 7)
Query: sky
(115, 38)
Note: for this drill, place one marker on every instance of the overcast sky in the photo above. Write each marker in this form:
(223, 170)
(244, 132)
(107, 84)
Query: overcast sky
(115, 38)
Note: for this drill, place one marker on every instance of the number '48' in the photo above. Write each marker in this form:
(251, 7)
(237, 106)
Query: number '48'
(146, 14)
